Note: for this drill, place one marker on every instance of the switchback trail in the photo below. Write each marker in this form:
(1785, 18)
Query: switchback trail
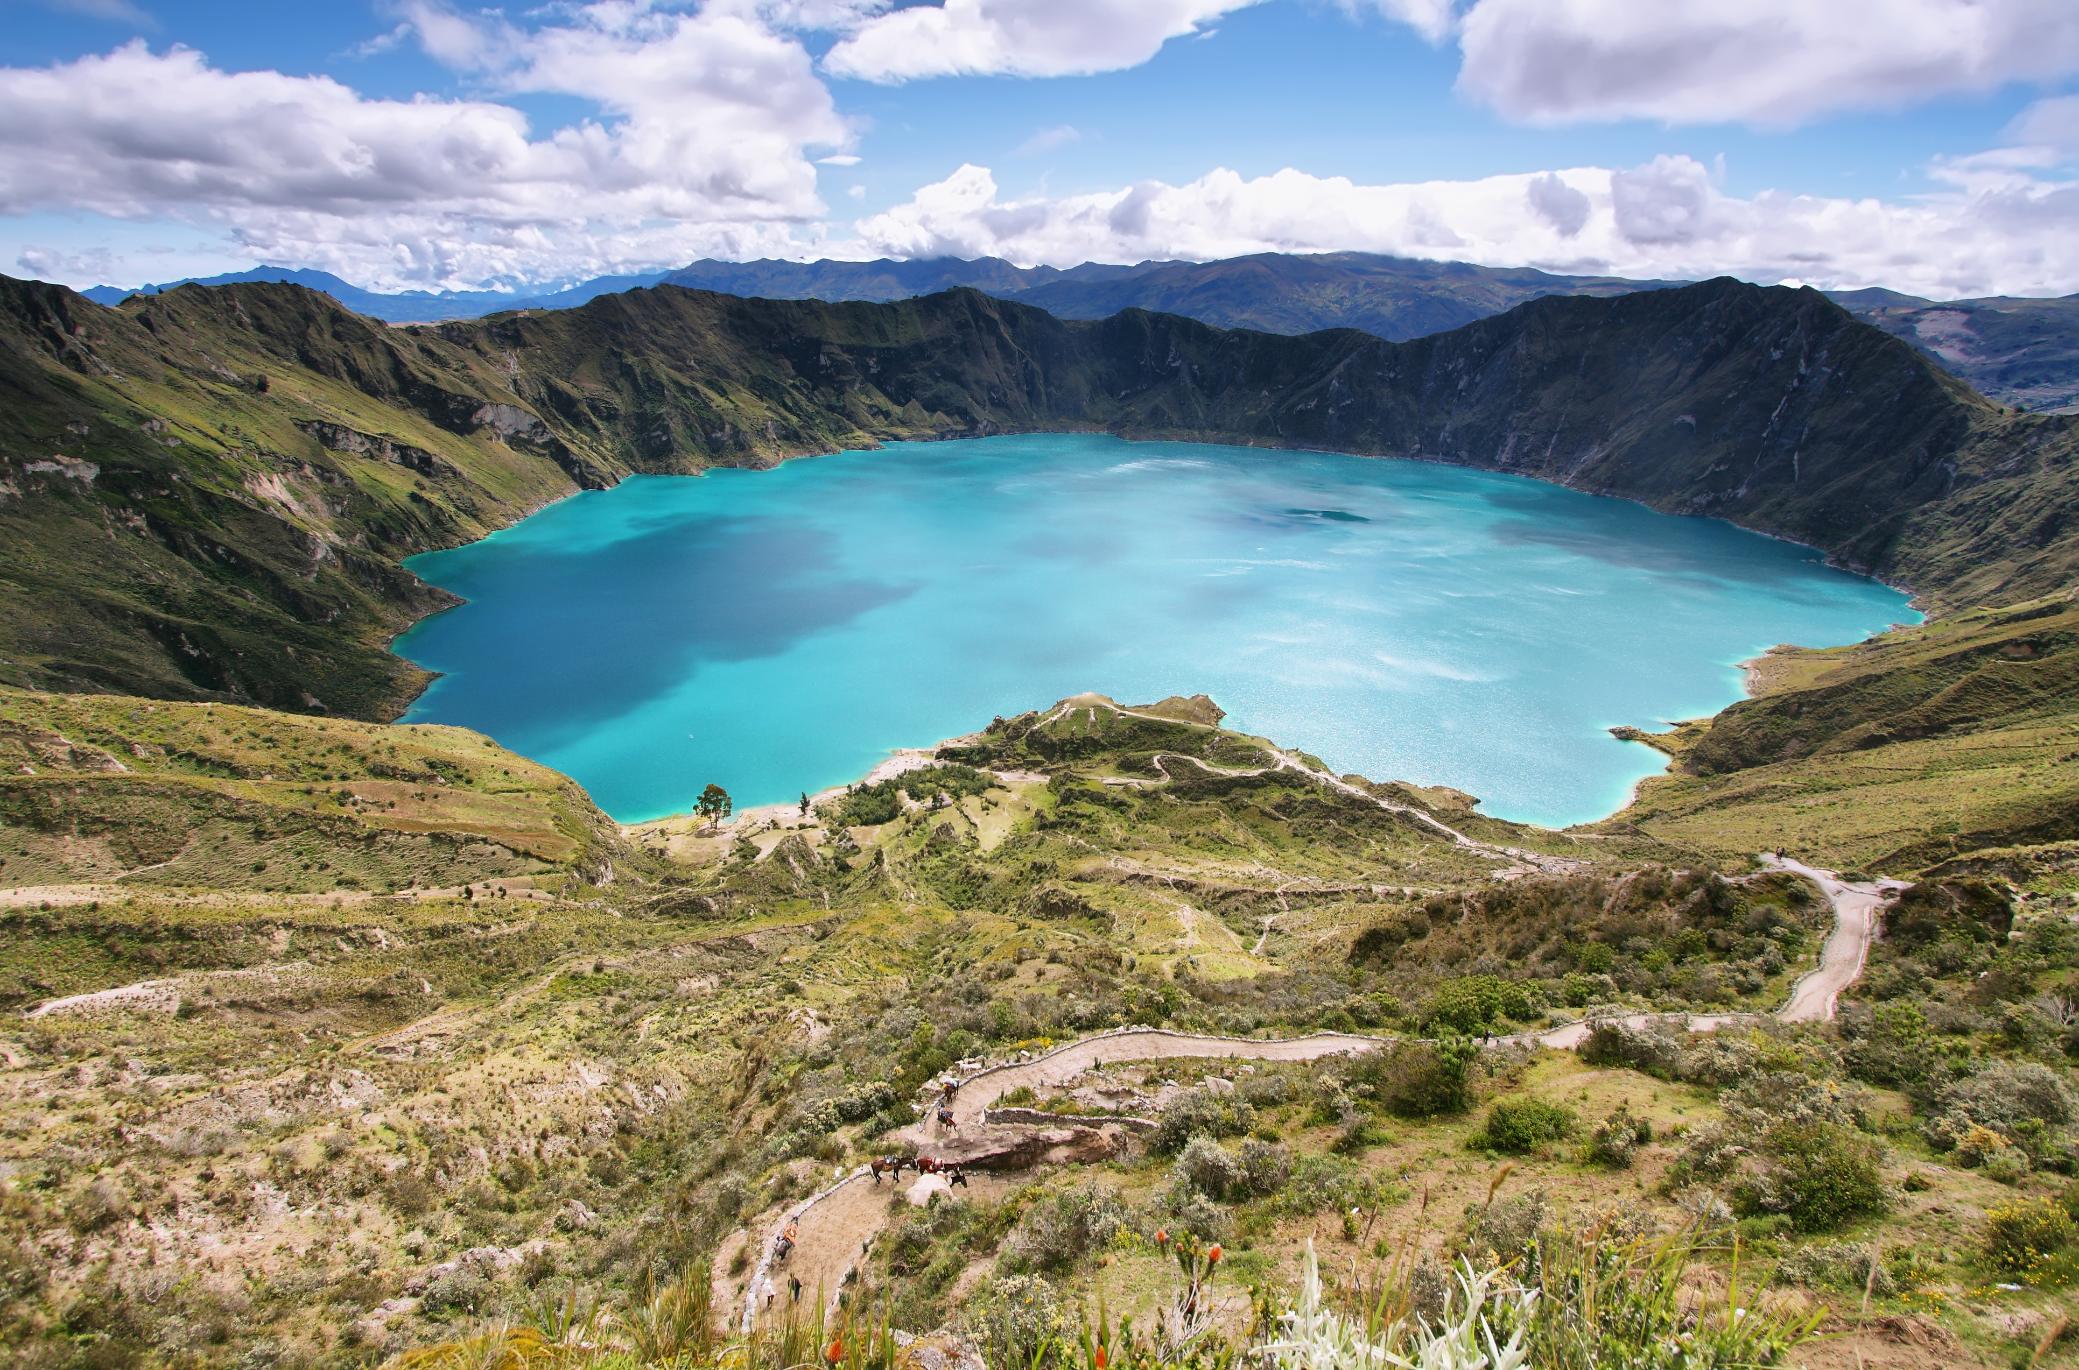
(837, 1225)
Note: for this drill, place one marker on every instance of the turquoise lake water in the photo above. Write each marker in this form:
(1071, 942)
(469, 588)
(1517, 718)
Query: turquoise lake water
(780, 631)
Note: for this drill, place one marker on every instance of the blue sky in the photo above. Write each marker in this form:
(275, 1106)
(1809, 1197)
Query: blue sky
(1925, 144)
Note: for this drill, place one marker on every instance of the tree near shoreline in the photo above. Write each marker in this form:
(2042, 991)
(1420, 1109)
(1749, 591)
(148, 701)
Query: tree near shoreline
(714, 804)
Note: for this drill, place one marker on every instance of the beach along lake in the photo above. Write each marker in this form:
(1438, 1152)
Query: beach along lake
(780, 631)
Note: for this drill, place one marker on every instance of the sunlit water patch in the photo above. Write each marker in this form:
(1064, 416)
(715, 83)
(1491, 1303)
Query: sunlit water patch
(780, 631)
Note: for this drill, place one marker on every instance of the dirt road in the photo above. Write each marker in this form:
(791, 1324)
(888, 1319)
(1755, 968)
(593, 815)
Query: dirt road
(1856, 908)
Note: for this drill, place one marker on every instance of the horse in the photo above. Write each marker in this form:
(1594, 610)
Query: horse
(929, 1165)
(890, 1166)
(956, 1177)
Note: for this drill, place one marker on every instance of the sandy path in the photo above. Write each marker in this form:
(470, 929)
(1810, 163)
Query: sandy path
(835, 1229)
(1847, 949)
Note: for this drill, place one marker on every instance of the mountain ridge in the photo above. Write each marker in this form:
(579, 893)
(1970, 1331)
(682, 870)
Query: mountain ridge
(212, 489)
(2016, 350)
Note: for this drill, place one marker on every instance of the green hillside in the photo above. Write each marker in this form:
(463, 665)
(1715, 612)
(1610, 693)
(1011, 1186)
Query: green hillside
(206, 493)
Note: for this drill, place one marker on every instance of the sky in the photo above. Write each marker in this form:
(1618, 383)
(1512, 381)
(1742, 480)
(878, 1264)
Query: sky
(1930, 146)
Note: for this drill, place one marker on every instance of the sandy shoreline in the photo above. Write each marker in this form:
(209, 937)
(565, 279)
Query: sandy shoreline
(767, 817)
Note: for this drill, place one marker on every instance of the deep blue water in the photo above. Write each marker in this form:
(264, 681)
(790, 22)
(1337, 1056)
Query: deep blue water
(780, 631)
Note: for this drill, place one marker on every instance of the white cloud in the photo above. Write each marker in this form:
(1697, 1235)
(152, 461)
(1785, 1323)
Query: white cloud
(60, 264)
(702, 138)
(839, 159)
(1433, 19)
(1764, 62)
(1018, 37)
(1666, 218)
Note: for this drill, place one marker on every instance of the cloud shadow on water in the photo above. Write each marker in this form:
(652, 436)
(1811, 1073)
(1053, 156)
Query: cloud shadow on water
(569, 641)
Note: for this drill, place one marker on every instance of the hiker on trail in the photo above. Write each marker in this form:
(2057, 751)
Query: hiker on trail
(945, 1117)
(784, 1247)
(794, 1287)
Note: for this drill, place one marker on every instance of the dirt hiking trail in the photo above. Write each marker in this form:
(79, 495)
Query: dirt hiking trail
(836, 1227)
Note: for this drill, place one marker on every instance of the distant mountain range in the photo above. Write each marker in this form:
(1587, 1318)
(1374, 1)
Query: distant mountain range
(1396, 298)
(2021, 352)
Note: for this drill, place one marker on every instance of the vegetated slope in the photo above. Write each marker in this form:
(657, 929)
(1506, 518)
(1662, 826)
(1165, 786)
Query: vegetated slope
(2019, 351)
(322, 1127)
(101, 788)
(1959, 738)
(205, 493)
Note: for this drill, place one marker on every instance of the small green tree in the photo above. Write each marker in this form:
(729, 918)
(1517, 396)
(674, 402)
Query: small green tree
(714, 804)
(804, 805)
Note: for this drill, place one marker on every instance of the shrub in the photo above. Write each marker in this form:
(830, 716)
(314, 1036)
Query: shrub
(1012, 1319)
(1417, 1079)
(1520, 1125)
(1820, 1175)
(2021, 1234)
(460, 1289)
(1198, 1215)
(1206, 1167)
(1648, 1047)
(2021, 1101)
(1265, 1167)
(1063, 1227)
(1200, 1113)
(1475, 1004)
(1508, 1226)
(1851, 1266)
(1326, 1182)
(1617, 1138)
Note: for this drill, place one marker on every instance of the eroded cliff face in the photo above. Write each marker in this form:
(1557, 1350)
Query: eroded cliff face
(263, 458)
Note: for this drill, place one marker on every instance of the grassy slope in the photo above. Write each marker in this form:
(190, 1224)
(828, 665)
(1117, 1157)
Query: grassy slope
(1895, 754)
(321, 1100)
(98, 788)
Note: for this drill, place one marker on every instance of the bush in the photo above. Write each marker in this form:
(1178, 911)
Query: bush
(1265, 1168)
(1617, 1138)
(1520, 1125)
(1850, 1266)
(1065, 1226)
(1198, 1215)
(1819, 1175)
(1508, 1226)
(1200, 1113)
(1417, 1079)
(1474, 1004)
(1012, 1319)
(2021, 1234)
(1648, 1047)
(1206, 1167)
(2022, 1101)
